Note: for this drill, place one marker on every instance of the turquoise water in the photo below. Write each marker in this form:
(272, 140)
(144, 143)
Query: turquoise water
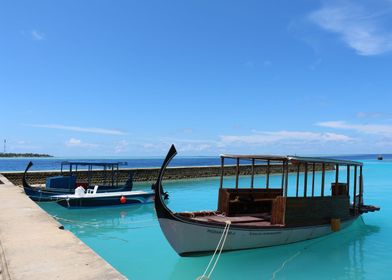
(130, 239)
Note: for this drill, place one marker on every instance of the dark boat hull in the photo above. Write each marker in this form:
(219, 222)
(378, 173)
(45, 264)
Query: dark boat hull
(45, 194)
(92, 201)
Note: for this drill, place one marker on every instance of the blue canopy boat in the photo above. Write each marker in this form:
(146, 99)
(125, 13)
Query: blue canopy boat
(68, 181)
(92, 198)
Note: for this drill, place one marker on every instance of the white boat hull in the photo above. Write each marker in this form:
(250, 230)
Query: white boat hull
(190, 238)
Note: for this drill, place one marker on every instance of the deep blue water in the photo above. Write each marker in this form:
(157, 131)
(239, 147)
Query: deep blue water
(19, 164)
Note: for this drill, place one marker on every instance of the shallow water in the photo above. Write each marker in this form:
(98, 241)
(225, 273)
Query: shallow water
(130, 239)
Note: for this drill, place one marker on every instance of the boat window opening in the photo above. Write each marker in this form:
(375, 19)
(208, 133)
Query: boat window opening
(348, 179)
(283, 174)
(253, 174)
(222, 171)
(268, 174)
(297, 182)
(237, 173)
(322, 179)
(117, 175)
(305, 179)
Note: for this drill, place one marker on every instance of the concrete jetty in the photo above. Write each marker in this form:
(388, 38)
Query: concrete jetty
(33, 245)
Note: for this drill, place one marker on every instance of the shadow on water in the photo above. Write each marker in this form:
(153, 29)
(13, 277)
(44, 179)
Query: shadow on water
(338, 256)
(101, 221)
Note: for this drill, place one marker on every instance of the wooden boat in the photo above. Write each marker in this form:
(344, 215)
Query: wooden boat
(258, 217)
(68, 181)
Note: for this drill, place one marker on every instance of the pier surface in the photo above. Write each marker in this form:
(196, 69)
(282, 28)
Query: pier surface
(32, 245)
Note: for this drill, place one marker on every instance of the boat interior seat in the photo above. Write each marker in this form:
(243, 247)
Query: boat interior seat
(240, 201)
(93, 191)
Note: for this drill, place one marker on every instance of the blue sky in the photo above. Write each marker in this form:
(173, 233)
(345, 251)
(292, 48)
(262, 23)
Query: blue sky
(128, 78)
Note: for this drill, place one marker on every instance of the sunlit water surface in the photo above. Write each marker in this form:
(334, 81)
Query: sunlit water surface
(130, 238)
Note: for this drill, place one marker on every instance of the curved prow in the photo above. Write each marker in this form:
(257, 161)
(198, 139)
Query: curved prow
(160, 207)
(25, 183)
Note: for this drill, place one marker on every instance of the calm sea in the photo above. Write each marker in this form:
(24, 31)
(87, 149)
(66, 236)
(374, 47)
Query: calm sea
(19, 164)
(131, 240)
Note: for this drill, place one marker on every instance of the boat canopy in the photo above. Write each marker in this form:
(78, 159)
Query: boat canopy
(267, 164)
(292, 159)
(112, 168)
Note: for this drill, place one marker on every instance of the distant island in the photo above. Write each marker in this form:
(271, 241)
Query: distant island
(13, 155)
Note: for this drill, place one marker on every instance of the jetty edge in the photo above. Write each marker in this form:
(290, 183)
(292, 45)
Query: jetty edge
(33, 245)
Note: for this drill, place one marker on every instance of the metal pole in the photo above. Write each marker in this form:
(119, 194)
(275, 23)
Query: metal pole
(348, 179)
(360, 187)
(286, 182)
(222, 171)
(355, 185)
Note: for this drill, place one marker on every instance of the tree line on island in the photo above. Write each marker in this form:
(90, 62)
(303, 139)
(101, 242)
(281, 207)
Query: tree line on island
(12, 155)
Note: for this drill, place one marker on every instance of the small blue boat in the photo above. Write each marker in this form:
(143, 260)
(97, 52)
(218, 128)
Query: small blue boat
(92, 198)
(68, 181)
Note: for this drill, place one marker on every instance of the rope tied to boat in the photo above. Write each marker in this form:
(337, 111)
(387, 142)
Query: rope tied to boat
(219, 247)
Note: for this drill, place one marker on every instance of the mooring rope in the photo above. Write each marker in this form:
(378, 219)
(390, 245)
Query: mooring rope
(220, 246)
(306, 247)
(284, 263)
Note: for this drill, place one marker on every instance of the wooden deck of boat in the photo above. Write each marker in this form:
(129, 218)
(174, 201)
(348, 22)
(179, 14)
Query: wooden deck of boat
(257, 220)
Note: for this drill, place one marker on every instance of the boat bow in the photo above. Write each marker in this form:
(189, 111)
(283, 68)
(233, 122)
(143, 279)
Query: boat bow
(26, 185)
(160, 207)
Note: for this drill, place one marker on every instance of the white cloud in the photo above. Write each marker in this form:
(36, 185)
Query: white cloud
(372, 115)
(182, 145)
(360, 24)
(37, 35)
(80, 129)
(73, 142)
(378, 129)
(193, 147)
(121, 146)
(269, 137)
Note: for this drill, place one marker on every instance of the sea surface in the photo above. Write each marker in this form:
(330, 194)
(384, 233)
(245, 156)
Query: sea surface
(130, 238)
(19, 164)
(54, 163)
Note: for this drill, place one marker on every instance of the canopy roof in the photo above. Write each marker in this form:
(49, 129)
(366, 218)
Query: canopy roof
(293, 159)
(93, 163)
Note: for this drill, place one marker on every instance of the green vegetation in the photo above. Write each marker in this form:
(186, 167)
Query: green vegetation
(12, 155)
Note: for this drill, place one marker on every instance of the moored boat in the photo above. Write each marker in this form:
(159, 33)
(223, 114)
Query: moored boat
(250, 217)
(68, 180)
(94, 199)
